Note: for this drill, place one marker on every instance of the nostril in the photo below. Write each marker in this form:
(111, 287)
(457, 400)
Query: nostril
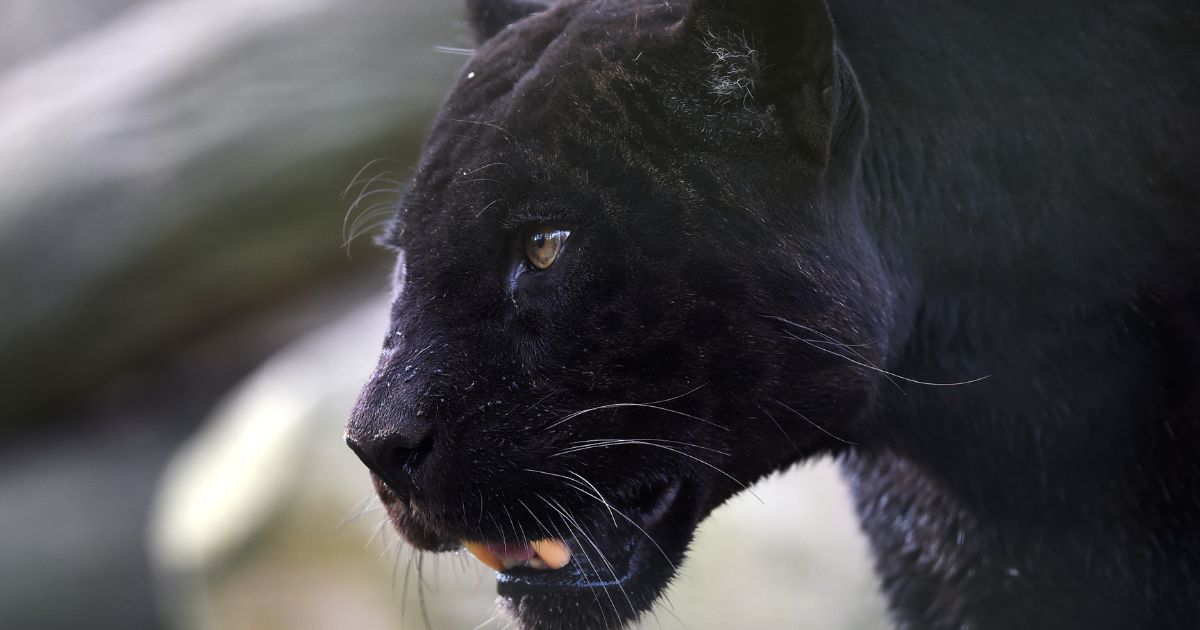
(410, 458)
(395, 458)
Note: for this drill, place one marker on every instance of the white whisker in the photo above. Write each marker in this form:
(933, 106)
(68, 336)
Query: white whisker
(863, 362)
(819, 427)
(569, 519)
(586, 557)
(598, 497)
(454, 50)
(615, 441)
(584, 447)
(639, 406)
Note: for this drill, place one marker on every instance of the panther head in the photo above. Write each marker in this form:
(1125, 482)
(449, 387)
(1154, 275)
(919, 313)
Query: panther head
(633, 278)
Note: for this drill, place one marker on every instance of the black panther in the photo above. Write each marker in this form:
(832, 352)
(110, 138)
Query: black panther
(657, 249)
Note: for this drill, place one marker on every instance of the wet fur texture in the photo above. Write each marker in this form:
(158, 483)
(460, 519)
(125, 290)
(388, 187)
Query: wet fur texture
(797, 230)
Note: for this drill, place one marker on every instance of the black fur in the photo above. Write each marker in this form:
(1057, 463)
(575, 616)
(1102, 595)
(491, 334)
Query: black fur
(793, 231)
(488, 17)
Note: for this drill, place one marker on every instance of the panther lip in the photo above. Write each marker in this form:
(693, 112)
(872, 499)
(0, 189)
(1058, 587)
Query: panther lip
(545, 555)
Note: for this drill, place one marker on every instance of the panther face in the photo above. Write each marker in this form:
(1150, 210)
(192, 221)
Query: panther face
(632, 280)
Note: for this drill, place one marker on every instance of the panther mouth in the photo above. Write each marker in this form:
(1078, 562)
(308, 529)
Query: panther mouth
(607, 550)
(620, 560)
(566, 553)
(608, 564)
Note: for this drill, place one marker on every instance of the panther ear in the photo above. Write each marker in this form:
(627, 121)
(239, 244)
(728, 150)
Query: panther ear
(488, 17)
(779, 53)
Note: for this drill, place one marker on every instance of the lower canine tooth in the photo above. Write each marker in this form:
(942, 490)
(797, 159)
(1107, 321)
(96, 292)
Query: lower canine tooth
(551, 552)
(480, 550)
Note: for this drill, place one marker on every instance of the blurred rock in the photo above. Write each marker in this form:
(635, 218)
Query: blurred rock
(77, 493)
(266, 520)
(73, 522)
(182, 163)
(267, 447)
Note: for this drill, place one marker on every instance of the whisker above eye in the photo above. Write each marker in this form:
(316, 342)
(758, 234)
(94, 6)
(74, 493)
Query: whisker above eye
(489, 165)
(454, 50)
(485, 123)
(362, 171)
(373, 186)
(485, 208)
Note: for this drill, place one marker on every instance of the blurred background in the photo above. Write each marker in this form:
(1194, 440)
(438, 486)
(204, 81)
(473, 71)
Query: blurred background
(189, 300)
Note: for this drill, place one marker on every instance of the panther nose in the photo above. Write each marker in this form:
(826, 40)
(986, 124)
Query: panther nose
(394, 456)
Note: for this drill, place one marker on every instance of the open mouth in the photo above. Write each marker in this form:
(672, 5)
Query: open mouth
(576, 563)
(540, 555)
(621, 554)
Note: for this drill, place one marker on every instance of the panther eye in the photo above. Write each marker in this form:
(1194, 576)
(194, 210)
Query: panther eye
(543, 244)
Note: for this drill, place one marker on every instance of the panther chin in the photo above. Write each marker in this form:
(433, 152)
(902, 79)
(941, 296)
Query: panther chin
(596, 569)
